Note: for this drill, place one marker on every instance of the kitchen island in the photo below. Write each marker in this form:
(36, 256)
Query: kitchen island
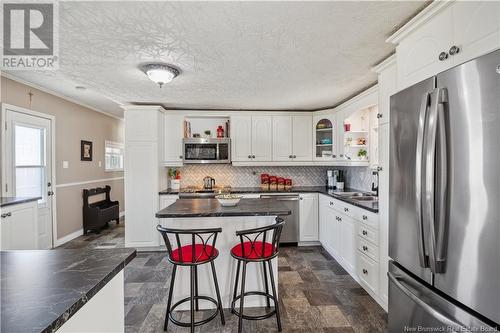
(208, 213)
(63, 290)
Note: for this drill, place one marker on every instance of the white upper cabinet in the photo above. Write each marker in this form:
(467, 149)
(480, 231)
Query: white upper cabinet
(444, 35)
(387, 86)
(241, 138)
(292, 137)
(302, 136)
(174, 133)
(476, 27)
(282, 138)
(423, 53)
(251, 138)
(262, 138)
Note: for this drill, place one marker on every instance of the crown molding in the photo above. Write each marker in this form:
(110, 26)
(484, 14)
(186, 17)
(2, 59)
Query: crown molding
(387, 62)
(421, 18)
(56, 94)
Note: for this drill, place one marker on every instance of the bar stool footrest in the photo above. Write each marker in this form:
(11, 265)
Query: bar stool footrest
(196, 323)
(254, 293)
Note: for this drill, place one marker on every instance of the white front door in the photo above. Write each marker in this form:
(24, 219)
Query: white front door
(28, 166)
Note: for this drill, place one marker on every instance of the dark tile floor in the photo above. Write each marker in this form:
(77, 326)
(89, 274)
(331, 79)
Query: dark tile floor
(316, 293)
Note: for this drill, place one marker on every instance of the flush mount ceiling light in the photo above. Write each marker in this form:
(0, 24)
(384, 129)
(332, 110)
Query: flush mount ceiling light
(160, 73)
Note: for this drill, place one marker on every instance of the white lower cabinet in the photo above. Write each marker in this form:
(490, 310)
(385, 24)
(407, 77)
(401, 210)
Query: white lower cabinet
(19, 227)
(308, 219)
(350, 235)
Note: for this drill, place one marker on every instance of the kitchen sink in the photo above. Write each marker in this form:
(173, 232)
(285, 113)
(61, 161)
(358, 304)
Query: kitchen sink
(365, 198)
(357, 196)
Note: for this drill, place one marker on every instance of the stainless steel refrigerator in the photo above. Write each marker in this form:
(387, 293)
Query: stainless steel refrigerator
(444, 208)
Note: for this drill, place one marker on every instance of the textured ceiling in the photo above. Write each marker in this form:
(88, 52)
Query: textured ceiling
(232, 55)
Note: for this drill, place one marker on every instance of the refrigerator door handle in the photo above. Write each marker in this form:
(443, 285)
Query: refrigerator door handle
(435, 119)
(399, 282)
(423, 257)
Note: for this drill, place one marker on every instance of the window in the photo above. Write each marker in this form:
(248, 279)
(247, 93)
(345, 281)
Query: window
(29, 161)
(113, 156)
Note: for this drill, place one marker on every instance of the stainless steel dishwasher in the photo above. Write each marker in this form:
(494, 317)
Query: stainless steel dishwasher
(290, 232)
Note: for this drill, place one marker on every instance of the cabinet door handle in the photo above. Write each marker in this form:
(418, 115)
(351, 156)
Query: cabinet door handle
(380, 168)
(50, 193)
(331, 203)
(4, 215)
(334, 156)
(365, 233)
(180, 157)
(454, 50)
(341, 155)
(340, 219)
(249, 156)
(365, 271)
(253, 156)
(365, 217)
(379, 115)
(443, 56)
(289, 156)
(346, 210)
(365, 248)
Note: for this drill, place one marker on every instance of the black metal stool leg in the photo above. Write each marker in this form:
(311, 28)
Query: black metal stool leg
(172, 280)
(242, 298)
(218, 294)
(265, 283)
(192, 298)
(276, 302)
(196, 287)
(236, 280)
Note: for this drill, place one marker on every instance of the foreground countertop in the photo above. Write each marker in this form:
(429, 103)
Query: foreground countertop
(8, 201)
(42, 289)
(371, 206)
(212, 208)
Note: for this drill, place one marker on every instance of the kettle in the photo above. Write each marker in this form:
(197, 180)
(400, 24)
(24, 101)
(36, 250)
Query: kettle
(208, 183)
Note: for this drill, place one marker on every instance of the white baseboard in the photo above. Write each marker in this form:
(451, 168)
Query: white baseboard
(67, 238)
(122, 214)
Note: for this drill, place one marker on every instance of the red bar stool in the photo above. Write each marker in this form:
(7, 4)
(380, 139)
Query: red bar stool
(255, 247)
(199, 250)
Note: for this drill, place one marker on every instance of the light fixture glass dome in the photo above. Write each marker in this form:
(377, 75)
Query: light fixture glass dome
(160, 73)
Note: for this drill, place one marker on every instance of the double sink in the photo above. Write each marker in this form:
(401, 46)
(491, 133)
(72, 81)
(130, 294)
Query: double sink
(357, 196)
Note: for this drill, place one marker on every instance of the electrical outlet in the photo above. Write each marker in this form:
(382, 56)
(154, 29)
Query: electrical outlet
(65, 164)
(100, 164)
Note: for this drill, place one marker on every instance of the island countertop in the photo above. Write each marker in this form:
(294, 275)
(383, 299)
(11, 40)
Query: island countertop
(212, 208)
(42, 289)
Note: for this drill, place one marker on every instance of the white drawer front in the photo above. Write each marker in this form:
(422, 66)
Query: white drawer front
(367, 270)
(367, 248)
(368, 233)
(367, 217)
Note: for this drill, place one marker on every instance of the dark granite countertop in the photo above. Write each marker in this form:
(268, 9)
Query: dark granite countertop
(212, 208)
(8, 201)
(42, 289)
(371, 206)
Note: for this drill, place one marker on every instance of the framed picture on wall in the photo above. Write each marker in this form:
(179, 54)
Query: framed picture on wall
(85, 150)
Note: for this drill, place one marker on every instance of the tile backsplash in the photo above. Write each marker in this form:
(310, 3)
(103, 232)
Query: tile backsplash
(359, 178)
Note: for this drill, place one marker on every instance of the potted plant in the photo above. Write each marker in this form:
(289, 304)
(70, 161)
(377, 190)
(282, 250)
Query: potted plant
(175, 178)
(362, 154)
(208, 133)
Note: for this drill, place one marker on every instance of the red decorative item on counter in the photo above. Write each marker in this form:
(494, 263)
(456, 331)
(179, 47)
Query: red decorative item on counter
(264, 182)
(288, 184)
(273, 184)
(281, 184)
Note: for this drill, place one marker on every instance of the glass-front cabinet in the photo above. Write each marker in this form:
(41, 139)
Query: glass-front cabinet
(325, 138)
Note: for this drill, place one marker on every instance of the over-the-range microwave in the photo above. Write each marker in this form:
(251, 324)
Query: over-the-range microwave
(206, 150)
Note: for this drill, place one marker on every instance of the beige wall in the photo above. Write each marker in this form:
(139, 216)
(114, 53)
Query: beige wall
(73, 123)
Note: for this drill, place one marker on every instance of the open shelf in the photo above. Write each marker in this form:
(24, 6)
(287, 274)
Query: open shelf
(324, 144)
(324, 129)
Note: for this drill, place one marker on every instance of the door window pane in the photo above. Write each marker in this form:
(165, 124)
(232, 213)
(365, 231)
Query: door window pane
(29, 145)
(29, 181)
(113, 156)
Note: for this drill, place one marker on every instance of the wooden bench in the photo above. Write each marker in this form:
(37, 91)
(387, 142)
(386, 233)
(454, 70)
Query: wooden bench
(96, 215)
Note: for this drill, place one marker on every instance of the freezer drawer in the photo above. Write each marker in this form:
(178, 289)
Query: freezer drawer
(413, 307)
